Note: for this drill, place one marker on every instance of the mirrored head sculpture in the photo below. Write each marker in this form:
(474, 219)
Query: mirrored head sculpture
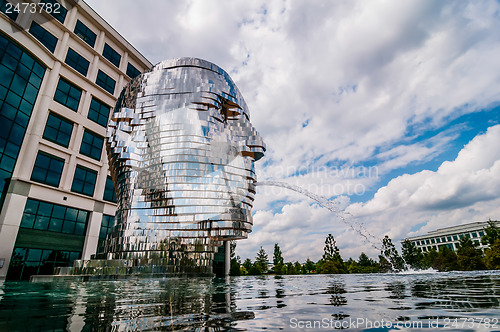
(181, 152)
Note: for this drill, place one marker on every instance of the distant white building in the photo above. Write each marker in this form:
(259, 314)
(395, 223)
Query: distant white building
(450, 236)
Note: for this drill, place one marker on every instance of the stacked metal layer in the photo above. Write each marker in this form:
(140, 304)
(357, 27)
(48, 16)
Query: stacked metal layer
(181, 150)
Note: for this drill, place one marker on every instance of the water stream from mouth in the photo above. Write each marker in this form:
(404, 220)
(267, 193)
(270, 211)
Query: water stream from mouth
(333, 207)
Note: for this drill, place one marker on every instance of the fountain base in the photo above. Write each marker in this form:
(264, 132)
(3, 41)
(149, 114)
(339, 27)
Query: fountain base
(114, 269)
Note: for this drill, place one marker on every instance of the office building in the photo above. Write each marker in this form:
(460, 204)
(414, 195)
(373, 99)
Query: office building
(61, 70)
(450, 236)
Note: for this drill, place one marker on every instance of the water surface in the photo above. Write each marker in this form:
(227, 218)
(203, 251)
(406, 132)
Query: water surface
(466, 301)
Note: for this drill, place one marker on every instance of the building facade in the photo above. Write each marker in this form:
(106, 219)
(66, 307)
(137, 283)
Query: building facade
(61, 71)
(450, 236)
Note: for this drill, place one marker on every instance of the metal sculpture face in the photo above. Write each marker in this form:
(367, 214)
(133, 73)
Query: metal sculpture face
(181, 150)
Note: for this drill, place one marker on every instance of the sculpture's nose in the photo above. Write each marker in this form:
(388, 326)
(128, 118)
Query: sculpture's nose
(254, 144)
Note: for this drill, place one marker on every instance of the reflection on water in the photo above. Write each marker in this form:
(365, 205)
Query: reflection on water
(251, 303)
(126, 305)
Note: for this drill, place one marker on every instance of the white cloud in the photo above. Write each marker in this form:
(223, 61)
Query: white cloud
(460, 191)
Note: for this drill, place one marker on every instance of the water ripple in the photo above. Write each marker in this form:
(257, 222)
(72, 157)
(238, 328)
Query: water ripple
(251, 303)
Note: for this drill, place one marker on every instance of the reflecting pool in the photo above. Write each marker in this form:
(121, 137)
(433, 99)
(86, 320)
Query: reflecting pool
(465, 301)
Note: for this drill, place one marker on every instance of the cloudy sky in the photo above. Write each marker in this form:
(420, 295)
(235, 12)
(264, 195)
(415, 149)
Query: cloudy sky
(390, 109)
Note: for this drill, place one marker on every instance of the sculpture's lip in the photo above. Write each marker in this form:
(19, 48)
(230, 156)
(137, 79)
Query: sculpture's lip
(256, 152)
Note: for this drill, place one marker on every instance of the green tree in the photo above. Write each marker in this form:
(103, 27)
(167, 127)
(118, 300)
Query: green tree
(318, 266)
(332, 261)
(290, 268)
(332, 267)
(278, 259)
(247, 264)
(309, 266)
(469, 258)
(234, 269)
(351, 266)
(384, 265)
(364, 260)
(446, 260)
(389, 251)
(411, 254)
(429, 258)
(366, 264)
(491, 233)
(298, 268)
(261, 261)
(332, 252)
(254, 270)
(492, 256)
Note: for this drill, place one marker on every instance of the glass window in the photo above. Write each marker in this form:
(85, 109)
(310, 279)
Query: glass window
(68, 94)
(106, 225)
(109, 190)
(20, 79)
(55, 9)
(58, 130)
(91, 145)
(105, 82)
(75, 222)
(55, 218)
(47, 169)
(99, 112)
(132, 72)
(46, 38)
(113, 56)
(77, 61)
(26, 262)
(3, 8)
(84, 181)
(85, 33)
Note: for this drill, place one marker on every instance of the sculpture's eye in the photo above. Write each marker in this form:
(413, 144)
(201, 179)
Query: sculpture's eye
(230, 110)
(225, 110)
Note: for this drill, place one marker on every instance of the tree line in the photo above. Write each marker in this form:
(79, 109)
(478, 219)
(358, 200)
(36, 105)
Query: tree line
(468, 257)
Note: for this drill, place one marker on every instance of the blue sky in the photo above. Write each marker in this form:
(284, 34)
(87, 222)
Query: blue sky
(388, 108)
